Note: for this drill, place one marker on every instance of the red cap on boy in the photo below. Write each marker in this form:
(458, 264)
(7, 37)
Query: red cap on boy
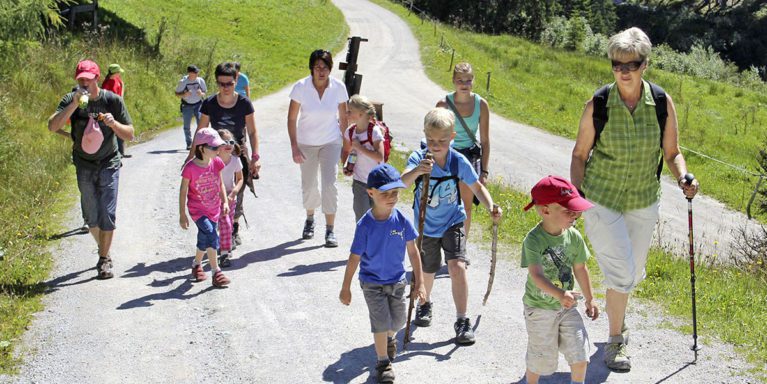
(555, 189)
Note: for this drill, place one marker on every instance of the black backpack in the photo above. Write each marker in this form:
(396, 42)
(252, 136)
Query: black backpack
(600, 116)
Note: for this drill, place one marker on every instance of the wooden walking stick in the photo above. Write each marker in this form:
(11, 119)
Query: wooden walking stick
(424, 202)
(493, 257)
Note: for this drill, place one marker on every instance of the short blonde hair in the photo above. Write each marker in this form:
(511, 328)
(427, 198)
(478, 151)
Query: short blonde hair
(629, 42)
(439, 119)
(363, 104)
(462, 68)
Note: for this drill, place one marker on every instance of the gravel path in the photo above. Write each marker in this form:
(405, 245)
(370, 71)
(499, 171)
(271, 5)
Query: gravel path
(280, 321)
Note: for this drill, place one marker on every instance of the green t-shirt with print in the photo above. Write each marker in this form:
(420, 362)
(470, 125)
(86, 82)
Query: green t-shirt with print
(557, 255)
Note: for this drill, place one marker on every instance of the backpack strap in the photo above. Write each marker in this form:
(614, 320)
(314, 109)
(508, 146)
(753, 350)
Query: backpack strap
(661, 113)
(599, 115)
(453, 168)
(460, 120)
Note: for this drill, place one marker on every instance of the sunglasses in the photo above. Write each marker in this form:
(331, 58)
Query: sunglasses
(631, 66)
(225, 85)
(212, 148)
(229, 142)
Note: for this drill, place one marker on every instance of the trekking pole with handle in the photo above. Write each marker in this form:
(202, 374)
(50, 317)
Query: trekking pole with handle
(424, 202)
(688, 179)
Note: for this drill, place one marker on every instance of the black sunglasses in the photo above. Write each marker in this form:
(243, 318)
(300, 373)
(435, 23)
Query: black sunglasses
(211, 147)
(225, 85)
(631, 66)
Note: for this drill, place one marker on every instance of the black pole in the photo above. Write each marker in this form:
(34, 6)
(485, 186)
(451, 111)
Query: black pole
(688, 179)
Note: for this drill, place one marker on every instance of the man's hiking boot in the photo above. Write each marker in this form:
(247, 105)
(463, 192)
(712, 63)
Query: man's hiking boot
(104, 268)
(198, 274)
(423, 315)
(308, 230)
(219, 280)
(385, 372)
(236, 234)
(391, 349)
(330, 239)
(224, 261)
(616, 357)
(464, 335)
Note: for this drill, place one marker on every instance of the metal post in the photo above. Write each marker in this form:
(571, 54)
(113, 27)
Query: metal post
(487, 88)
(452, 57)
(753, 195)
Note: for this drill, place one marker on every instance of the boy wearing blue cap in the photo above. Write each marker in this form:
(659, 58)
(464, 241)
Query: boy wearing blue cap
(380, 240)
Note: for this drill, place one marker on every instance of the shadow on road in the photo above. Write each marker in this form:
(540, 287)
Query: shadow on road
(351, 365)
(63, 281)
(327, 266)
(178, 293)
(268, 254)
(69, 233)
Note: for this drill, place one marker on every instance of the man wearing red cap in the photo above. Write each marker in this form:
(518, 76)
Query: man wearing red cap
(98, 118)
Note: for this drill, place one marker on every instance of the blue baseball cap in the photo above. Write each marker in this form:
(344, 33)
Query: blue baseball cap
(384, 177)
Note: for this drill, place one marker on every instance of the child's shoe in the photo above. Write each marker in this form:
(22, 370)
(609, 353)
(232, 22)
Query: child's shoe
(391, 349)
(198, 274)
(224, 261)
(219, 280)
(385, 372)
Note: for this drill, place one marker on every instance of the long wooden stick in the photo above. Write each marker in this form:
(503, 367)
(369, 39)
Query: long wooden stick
(493, 257)
(424, 202)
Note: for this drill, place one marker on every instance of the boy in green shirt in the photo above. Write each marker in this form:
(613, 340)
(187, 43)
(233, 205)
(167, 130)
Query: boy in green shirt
(553, 252)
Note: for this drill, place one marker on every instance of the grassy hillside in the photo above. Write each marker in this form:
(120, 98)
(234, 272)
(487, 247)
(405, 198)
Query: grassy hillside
(547, 88)
(38, 179)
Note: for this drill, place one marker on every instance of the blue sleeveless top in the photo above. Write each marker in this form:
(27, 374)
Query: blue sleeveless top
(462, 139)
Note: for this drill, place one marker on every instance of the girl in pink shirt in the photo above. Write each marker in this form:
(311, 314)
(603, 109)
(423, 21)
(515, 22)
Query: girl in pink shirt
(204, 194)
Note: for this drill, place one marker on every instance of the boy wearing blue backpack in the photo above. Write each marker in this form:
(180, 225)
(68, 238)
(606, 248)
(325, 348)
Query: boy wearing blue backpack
(445, 214)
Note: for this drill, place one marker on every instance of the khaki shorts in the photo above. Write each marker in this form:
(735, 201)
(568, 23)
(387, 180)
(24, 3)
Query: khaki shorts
(550, 332)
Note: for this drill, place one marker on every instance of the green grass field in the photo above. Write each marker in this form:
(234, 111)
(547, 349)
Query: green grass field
(547, 88)
(38, 181)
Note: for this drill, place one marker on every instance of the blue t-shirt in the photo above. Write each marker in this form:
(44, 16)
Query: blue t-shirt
(381, 245)
(445, 208)
(242, 82)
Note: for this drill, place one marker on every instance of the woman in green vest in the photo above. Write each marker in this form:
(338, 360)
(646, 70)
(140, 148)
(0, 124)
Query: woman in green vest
(616, 168)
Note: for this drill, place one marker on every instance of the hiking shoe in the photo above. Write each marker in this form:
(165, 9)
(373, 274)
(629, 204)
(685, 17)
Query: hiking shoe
(330, 239)
(308, 230)
(224, 261)
(616, 357)
(464, 335)
(104, 268)
(198, 274)
(219, 280)
(385, 372)
(236, 234)
(423, 315)
(391, 349)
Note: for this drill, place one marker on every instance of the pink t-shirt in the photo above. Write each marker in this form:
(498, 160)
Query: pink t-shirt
(203, 198)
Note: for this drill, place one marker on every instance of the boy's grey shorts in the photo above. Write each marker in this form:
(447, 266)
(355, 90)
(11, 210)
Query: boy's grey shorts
(453, 242)
(386, 304)
(551, 331)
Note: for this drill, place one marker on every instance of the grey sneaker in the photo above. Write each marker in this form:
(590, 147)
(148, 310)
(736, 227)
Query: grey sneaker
(330, 239)
(385, 372)
(464, 335)
(423, 315)
(616, 357)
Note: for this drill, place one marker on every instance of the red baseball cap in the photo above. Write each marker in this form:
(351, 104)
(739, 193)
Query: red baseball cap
(555, 189)
(87, 69)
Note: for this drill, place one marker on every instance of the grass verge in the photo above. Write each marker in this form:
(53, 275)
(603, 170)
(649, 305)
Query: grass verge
(35, 166)
(546, 88)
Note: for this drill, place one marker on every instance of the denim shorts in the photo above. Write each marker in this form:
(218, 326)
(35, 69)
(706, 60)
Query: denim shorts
(98, 196)
(207, 236)
(453, 242)
(386, 304)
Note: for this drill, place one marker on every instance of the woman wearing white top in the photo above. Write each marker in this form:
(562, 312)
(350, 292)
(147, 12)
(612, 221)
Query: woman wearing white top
(316, 119)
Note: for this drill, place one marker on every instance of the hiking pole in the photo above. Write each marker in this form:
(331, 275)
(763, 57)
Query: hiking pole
(688, 179)
(424, 202)
(493, 257)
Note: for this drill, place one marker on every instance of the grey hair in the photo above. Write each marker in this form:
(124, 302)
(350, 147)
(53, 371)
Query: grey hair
(629, 42)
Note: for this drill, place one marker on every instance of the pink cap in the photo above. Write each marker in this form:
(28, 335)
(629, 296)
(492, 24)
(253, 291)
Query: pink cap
(208, 136)
(87, 69)
(555, 189)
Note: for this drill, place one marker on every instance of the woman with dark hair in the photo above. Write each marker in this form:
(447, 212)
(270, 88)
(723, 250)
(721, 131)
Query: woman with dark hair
(316, 119)
(229, 110)
(627, 129)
